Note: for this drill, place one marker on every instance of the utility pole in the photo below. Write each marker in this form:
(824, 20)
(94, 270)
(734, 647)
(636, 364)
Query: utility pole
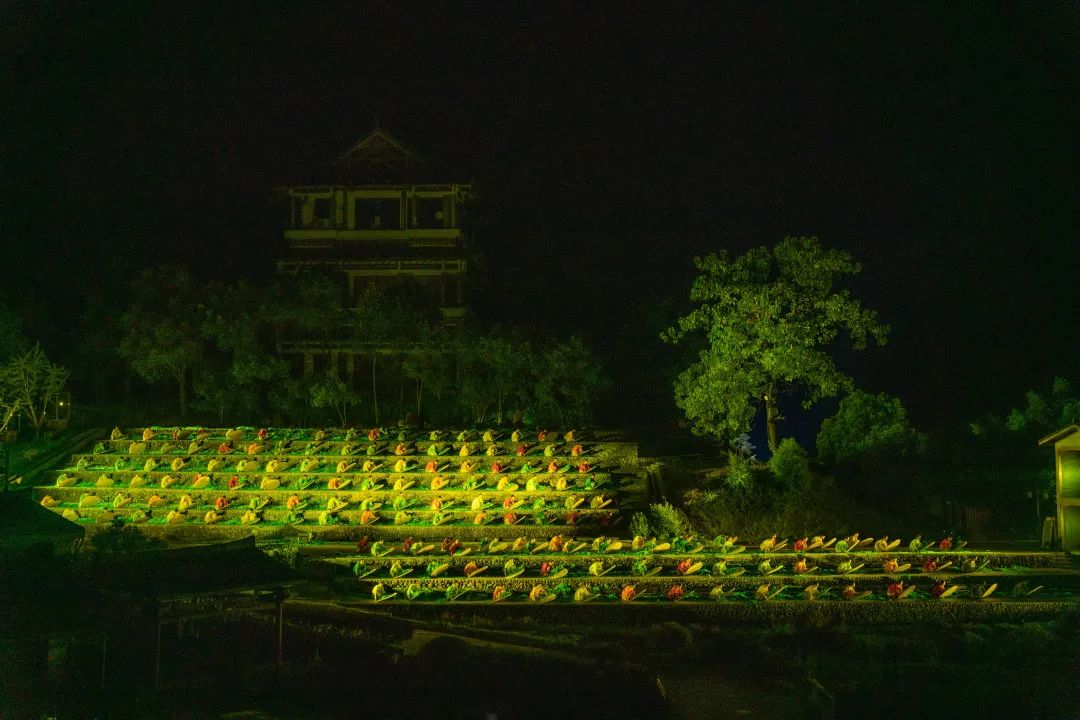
(5, 456)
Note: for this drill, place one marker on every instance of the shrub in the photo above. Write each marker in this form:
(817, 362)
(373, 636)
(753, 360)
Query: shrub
(639, 525)
(121, 539)
(740, 473)
(668, 520)
(696, 497)
(286, 553)
(790, 465)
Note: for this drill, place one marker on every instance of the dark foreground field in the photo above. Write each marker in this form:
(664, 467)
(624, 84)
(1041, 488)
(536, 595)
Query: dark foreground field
(339, 668)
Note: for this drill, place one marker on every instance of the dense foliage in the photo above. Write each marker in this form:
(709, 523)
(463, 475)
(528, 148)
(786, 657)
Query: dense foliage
(163, 339)
(225, 345)
(865, 423)
(30, 384)
(999, 463)
(1047, 411)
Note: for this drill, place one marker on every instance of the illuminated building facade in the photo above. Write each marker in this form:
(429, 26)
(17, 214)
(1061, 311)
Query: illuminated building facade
(1066, 444)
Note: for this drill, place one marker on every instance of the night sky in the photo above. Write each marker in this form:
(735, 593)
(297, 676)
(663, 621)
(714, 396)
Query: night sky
(609, 143)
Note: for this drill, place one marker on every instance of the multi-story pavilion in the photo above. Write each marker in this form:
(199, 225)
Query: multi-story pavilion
(384, 216)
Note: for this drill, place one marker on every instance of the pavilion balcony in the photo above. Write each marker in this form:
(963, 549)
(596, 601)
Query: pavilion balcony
(344, 237)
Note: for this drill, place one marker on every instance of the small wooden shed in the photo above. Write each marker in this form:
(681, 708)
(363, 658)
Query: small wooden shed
(1066, 442)
(28, 528)
(198, 584)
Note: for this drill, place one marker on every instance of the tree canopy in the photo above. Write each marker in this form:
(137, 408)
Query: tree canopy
(29, 383)
(1046, 411)
(229, 343)
(163, 338)
(11, 338)
(332, 392)
(539, 378)
(865, 423)
(38, 383)
(769, 319)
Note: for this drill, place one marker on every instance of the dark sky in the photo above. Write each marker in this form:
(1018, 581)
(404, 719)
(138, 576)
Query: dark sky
(609, 143)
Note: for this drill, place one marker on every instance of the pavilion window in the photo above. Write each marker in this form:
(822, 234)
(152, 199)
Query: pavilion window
(377, 213)
(306, 212)
(296, 363)
(430, 212)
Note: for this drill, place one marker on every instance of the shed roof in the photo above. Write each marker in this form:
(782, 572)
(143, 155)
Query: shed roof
(1059, 434)
(199, 570)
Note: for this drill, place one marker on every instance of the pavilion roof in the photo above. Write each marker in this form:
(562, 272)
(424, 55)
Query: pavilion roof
(380, 149)
(376, 160)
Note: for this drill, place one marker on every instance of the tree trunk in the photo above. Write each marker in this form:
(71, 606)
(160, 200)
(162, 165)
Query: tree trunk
(374, 388)
(419, 395)
(401, 391)
(182, 380)
(772, 415)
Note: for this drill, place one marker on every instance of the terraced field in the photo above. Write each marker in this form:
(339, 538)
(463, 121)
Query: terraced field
(622, 572)
(240, 481)
(478, 516)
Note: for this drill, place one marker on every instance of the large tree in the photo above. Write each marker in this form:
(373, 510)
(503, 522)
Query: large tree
(303, 306)
(331, 392)
(38, 383)
(429, 365)
(541, 378)
(10, 397)
(770, 319)
(163, 328)
(509, 368)
(240, 366)
(385, 321)
(568, 381)
(29, 383)
(11, 343)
